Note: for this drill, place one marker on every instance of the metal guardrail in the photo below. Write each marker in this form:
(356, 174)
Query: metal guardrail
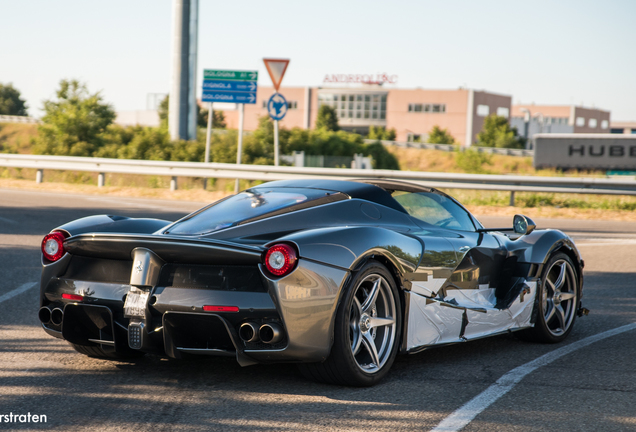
(17, 119)
(511, 183)
(450, 148)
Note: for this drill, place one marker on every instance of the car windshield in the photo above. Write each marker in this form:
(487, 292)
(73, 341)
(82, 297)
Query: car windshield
(250, 204)
(435, 209)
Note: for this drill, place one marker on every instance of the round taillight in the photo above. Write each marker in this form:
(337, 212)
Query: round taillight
(281, 259)
(53, 246)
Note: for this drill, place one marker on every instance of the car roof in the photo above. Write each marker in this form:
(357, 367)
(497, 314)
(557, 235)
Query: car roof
(360, 189)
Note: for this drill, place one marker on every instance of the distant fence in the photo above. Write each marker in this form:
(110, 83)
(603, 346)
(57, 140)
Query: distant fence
(450, 148)
(17, 119)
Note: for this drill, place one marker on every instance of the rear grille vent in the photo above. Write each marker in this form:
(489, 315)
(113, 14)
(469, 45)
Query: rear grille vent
(98, 270)
(220, 278)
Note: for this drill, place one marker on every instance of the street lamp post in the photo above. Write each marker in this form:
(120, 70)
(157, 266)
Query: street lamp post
(526, 125)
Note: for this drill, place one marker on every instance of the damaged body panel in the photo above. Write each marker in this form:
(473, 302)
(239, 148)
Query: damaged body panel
(314, 272)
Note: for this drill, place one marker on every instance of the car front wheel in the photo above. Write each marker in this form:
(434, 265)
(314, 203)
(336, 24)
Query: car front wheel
(556, 303)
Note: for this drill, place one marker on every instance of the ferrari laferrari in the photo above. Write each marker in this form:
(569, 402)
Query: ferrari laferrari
(336, 276)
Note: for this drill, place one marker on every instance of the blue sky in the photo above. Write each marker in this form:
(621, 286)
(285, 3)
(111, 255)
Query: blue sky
(547, 52)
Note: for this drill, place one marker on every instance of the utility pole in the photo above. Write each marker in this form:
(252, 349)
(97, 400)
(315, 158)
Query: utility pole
(192, 64)
(182, 81)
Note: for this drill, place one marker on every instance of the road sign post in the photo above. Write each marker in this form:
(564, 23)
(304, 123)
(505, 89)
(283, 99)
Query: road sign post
(276, 69)
(229, 86)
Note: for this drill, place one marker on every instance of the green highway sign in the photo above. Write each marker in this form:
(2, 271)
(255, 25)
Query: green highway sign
(212, 74)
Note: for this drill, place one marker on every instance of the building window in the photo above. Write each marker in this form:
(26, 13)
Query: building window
(411, 137)
(604, 124)
(592, 123)
(503, 112)
(352, 105)
(483, 110)
(435, 108)
(580, 121)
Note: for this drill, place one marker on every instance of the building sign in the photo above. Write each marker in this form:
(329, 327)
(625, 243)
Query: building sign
(360, 79)
(585, 151)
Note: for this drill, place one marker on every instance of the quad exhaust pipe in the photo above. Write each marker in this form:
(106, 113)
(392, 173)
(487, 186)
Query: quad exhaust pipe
(44, 315)
(248, 332)
(57, 316)
(269, 333)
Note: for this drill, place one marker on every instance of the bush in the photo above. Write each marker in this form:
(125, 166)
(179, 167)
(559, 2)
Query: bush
(380, 133)
(473, 161)
(498, 133)
(438, 135)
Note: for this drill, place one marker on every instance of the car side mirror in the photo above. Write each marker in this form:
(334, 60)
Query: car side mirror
(523, 225)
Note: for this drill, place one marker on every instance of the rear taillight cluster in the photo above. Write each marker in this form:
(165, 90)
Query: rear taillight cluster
(281, 259)
(53, 246)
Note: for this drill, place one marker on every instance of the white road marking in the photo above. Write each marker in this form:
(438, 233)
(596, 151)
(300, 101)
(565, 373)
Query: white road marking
(615, 243)
(24, 287)
(9, 221)
(465, 414)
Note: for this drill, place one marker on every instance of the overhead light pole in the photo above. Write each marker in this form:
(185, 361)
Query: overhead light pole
(526, 125)
(182, 108)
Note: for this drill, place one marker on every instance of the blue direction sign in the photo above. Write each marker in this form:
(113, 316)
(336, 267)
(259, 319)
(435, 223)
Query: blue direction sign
(244, 86)
(229, 96)
(277, 106)
(229, 86)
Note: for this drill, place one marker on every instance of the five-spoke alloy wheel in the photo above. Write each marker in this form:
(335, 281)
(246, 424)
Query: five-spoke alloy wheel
(366, 333)
(557, 301)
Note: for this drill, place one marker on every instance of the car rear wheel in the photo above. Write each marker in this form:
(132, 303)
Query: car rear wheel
(367, 331)
(556, 303)
(98, 352)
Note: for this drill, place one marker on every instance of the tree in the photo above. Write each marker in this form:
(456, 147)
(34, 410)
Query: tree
(438, 135)
(381, 133)
(327, 119)
(164, 106)
(218, 118)
(382, 158)
(10, 101)
(498, 133)
(75, 124)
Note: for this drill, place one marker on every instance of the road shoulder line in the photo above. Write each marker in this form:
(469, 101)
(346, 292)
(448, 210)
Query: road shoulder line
(24, 287)
(465, 414)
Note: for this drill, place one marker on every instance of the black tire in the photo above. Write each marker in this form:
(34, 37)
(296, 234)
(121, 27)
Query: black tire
(556, 303)
(367, 331)
(98, 352)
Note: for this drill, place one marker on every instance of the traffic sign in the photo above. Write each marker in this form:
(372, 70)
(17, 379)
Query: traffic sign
(229, 96)
(276, 69)
(230, 75)
(277, 106)
(229, 86)
(225, 85)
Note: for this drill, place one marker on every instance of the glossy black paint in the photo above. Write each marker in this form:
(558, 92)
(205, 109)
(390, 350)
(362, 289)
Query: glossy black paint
(333, 238)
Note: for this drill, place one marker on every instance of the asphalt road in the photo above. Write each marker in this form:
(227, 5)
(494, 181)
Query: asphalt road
(593, 388)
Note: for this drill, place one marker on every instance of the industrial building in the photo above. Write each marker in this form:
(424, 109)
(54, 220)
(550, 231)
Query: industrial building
(558, 119)
(412, 113)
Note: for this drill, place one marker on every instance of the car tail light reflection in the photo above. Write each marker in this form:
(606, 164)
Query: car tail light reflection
(281, 259)
(73, 297)
(53, 246)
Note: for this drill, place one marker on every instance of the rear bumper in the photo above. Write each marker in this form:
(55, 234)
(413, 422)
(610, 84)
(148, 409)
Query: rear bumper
(303, 304)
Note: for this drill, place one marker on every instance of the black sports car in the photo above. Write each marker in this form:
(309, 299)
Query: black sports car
(338, 276)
